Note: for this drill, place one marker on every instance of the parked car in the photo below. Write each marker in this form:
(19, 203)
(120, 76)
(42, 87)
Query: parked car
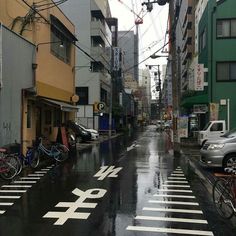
(80, 134)
(220, 152)
(94, 133)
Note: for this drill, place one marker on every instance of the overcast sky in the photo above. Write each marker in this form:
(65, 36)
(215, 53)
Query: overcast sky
(151, 32)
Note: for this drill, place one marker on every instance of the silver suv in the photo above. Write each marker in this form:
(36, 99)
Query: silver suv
(220, 152)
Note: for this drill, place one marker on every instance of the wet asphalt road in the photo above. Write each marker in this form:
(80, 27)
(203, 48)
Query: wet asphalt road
(116, 188)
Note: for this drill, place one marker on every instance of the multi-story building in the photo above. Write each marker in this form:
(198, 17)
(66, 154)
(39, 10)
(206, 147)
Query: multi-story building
(49, 102)
(93, 61)
(217, 51)
(128, 41)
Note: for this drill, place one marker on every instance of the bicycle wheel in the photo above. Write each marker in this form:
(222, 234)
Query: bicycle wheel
(9, 169)
(63, 153)
(34, 157)
(223, 198)
(16, 162)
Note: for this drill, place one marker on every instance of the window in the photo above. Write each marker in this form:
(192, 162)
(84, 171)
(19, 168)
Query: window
(202, 40)
(226, 28)
(82, 92)
(63, 39)
(217, 127)
(29, 111)
(226, 71)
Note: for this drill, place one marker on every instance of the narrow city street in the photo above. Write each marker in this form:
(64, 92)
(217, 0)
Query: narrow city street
(121, 187)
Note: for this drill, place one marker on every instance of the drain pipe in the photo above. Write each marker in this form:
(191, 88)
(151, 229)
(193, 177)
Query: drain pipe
(228, 113)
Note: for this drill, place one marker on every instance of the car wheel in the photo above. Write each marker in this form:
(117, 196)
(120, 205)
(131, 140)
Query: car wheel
(230, 161)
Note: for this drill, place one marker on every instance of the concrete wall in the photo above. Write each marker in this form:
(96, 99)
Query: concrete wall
(17, 74)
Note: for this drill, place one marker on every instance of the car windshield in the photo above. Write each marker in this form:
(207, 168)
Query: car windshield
(230, 134)
(207, 125)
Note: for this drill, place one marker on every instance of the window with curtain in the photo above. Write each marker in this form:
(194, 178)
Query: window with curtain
(226, 71)
(226, 28)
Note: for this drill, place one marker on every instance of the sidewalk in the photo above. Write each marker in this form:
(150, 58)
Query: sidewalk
(206, 175)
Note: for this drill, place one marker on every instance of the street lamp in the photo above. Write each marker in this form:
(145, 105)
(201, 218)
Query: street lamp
(61, 44)
(154, 56)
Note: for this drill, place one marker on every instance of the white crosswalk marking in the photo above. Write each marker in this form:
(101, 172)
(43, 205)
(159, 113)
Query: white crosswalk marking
(30, 178)
(175, 188)
(184, 220)
(24, 182)
(2, 212)
(175, 185)
(17, 186)
(170, 230)
(172, 210)
(9, 197)
(12, 191)
(173, 196)
(175, 202)
(6, 203)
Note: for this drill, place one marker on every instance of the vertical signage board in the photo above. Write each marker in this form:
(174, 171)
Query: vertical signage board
(199, 77)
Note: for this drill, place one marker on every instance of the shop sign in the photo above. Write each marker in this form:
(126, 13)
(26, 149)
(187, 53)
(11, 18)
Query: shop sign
(116, 58)
(214, 111)
(200, 109)
(183, 127)
(199, 77)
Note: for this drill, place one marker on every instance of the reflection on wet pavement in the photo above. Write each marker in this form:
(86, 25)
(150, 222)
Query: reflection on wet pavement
(124, 187)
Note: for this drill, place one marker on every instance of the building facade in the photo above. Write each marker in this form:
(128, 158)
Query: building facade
(49, 102)
(93, 62)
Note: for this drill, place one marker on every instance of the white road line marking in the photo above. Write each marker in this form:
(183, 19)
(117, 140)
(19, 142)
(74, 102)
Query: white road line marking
(175, 190)
(6, 203)
(10, 197)
(176, 185)
(25, 182)
(40, 172)
(30, 178)
(171, 219)
(16, 186)
(172, 210)
(175, 203)
(35, 175)
(176, 178)
(45, 169)
(169, 230)
(12, 191)
(173, 196)
(2, 212)
(176, 181)
(177, 174)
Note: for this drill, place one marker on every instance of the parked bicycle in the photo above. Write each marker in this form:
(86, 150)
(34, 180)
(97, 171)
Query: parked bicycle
(30, 159)
(224, 194)
(8, 163)
(56, 150)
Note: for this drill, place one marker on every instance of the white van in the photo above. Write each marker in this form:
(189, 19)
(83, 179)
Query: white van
(214, 129)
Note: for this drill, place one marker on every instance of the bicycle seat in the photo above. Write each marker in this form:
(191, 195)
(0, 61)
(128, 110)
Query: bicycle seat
(3, 150)
(230, 170)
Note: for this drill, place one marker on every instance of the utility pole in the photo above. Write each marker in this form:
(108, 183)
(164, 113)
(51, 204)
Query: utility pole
(175, 90)
(160, 93)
